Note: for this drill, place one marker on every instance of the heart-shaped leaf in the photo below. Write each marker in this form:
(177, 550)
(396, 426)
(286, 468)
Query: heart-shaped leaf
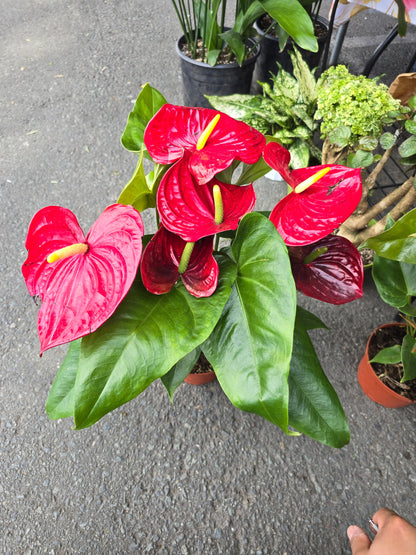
(174, 378)
(139, 192)
(251, 345)
(60, 402)
(314, 407)
(398, 242)
(389, 355)
(409, 358)
(120, 360)
(147, 104)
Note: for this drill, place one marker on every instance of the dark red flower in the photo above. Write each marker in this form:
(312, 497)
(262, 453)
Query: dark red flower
(330, 270)
(80, 280)
(162, 258)
(322, 198)
(193, 211)
(213, 139)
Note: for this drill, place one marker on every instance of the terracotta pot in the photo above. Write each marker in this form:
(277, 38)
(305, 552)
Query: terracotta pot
(200, 379)
(373, 387)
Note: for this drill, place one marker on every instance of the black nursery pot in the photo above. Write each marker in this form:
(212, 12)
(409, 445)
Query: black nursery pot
(270, 55)
(223, 79)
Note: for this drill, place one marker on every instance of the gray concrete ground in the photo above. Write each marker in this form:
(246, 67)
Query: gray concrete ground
(198, 476)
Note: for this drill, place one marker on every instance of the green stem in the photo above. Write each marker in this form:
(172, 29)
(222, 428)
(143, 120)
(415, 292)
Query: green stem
(314, 255)
(216, 243)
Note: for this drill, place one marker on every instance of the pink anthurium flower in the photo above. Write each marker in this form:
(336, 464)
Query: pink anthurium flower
(330, 270)
(193, 211)
(213, 139)
(322, 198)
(167, 258)
(80, 280)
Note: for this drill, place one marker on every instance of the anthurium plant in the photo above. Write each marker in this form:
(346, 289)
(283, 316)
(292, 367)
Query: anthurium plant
(207, 36)
(394, 274)
(215, 278)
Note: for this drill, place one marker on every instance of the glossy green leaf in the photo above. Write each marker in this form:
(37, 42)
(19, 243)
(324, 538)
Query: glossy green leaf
(173, 379)
(408, 161)
(368, 143)
(408, 147)
(340, 136)
(294, 19)
(389, 280)
(252, 172)
(137, 192)
(120, 360)
(248, 14)
(398, 242)
(147, 104)
(235, 42)
(389, 355)
(60, 402)
(304, 76)
(251, 345)
(412, 102)
(387, 140)
(309, 320)
(299, 154)
(314, 407)
(361, 159)
(409, 358)
(409, 275)
(410, 126)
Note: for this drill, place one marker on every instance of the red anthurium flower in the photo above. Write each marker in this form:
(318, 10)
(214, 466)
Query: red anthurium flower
(214, 140)
(80, 280)
(193, 211)
(322, 198)
(167, 258)
(330, 270)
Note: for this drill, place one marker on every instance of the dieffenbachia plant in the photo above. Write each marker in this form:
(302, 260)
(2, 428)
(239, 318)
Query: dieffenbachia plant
(135, 307)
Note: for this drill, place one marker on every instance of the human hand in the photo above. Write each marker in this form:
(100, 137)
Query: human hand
(395, 536)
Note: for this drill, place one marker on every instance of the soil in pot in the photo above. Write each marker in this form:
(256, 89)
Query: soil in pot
(225, 78)
(201, 373)
(223, 59)
(391, 374)
(270, 54)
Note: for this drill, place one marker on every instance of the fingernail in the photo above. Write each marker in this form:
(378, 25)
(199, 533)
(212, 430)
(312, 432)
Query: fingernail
(353, 531)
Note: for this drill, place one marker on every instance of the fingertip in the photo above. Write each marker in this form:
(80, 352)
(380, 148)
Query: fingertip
(353, 531)
(360, 542)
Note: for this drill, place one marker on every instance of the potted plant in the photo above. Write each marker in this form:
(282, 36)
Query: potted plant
(387, 372)
(215, 278)
(208, 42)
(363, 126)
(285, 110)
(277, 45)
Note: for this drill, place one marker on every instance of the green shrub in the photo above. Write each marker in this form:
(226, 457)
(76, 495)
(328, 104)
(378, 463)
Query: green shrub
(353, 101)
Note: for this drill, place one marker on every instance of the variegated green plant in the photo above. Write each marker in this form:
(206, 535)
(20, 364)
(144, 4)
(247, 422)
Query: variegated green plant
(285, 110)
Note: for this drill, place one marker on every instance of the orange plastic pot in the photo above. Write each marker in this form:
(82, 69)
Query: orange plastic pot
(200, 379)
(373, 387)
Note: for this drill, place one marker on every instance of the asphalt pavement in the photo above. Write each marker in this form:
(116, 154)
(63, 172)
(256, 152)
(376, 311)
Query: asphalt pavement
(196, 476)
